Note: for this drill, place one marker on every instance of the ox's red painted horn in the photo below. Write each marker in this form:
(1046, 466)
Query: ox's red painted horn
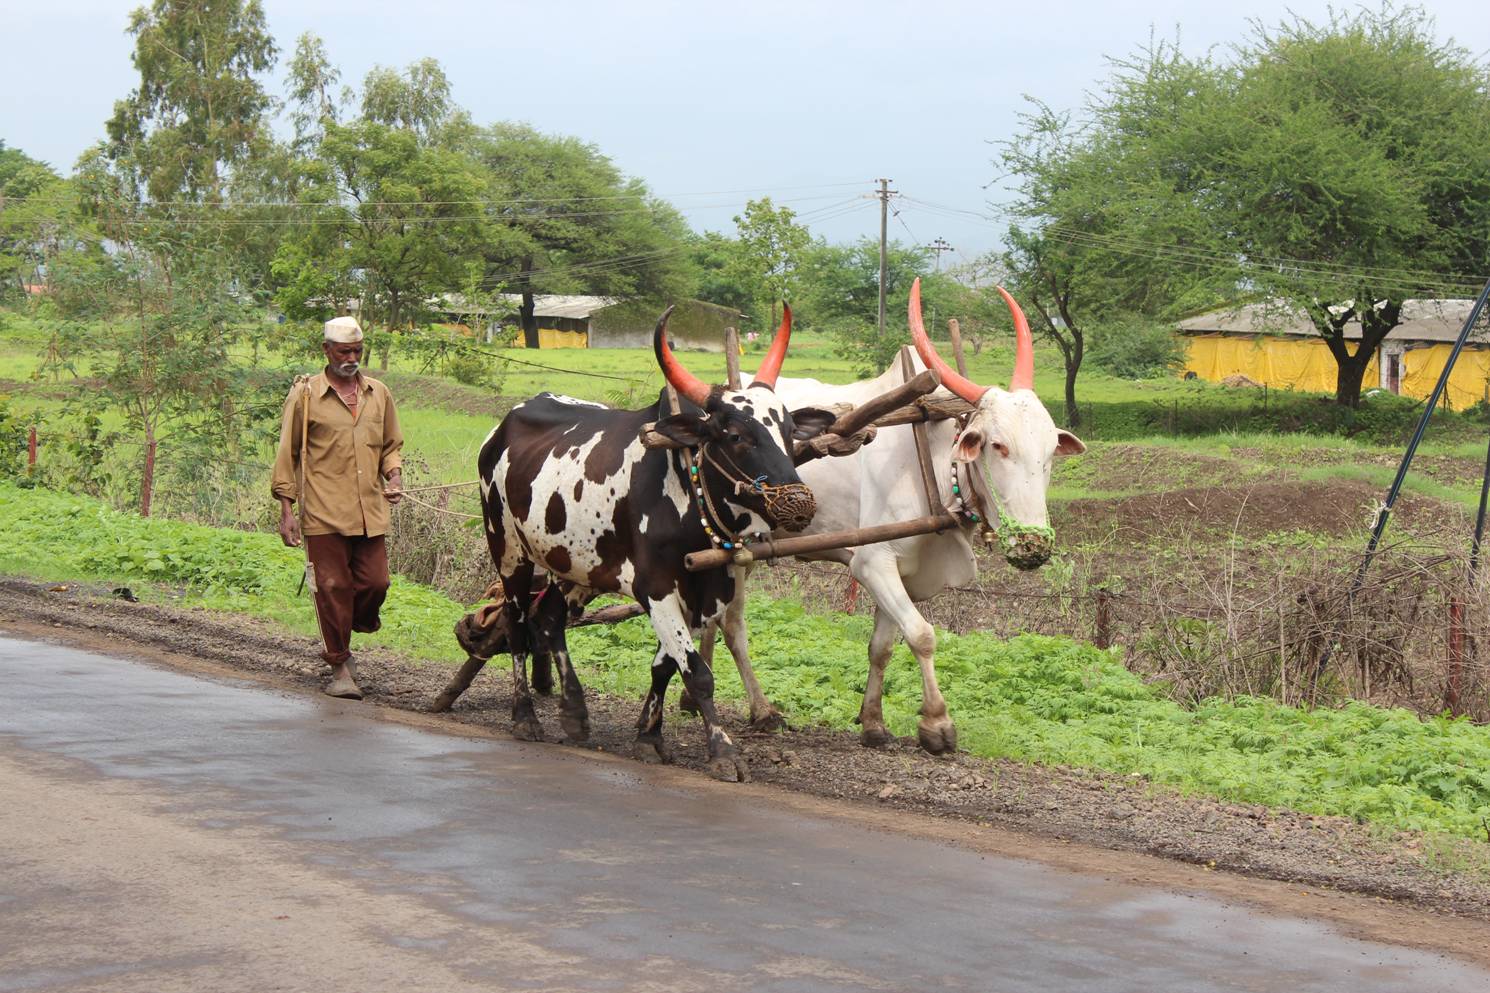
(771, 367)
(951, 379)
(1024, 347)
(685, 382)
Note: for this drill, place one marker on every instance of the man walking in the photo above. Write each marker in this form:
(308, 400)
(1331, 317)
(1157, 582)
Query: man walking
(339, 441)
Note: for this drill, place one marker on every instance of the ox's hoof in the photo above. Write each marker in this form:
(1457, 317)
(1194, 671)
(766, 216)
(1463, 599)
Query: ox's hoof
(771, 722)
(731, 768)
(939, 738)
(576, 725)
(652, 748)
(876, 736)
(686, 703)
(527, 729)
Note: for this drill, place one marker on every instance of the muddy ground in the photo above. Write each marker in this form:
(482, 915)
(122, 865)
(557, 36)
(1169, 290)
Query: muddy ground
(1047, 804)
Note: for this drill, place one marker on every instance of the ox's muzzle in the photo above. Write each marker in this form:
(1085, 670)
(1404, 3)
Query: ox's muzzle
(790, 506)
(1026, 548)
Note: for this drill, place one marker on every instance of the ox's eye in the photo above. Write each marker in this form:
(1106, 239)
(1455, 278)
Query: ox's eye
(734, 437)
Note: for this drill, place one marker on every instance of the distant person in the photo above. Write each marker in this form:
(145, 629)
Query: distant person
(339, 442)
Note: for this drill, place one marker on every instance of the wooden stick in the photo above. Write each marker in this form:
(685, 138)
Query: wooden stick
(716, 557)
(858, 418)
(458, 685)
(955, 331)
(926, 409)
(732, 358)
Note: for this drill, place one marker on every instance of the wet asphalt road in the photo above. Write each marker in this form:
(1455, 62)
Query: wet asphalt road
(161, 831)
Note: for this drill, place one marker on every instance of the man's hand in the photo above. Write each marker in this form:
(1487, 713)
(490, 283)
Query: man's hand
(393, 489)
(289, 528)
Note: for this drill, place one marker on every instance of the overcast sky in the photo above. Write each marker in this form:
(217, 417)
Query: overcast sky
(806, 102)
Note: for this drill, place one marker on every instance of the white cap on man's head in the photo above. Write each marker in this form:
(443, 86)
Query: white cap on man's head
(343, 329)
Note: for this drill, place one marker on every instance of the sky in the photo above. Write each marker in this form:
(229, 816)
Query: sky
(711, 104)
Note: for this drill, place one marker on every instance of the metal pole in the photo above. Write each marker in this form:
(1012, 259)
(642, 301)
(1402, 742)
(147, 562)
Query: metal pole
(1412, 448)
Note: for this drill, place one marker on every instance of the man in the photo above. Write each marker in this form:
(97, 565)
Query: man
(338, 442)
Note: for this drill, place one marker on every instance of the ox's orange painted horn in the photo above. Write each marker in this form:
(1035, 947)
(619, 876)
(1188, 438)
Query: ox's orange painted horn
(685, 382)
(951, 379)
(771, 367)
(1024, 347)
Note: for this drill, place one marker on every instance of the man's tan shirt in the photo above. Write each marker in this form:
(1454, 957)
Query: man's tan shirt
(348, 457)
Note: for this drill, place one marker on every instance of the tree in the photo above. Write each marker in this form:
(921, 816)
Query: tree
(200, 109)
(169, 293)
(1109, 211)
(841, 296)
(1335, 168)
(35, 204)
(772, 247)
(565, 220)
(393, 212)
(1350, 166)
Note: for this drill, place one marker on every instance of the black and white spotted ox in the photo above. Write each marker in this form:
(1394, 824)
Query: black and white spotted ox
(568, 489)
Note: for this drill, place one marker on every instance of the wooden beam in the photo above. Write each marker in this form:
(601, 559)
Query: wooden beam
(869, 412)
(765, 550)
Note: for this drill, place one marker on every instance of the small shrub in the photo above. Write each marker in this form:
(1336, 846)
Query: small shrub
(1136, 350)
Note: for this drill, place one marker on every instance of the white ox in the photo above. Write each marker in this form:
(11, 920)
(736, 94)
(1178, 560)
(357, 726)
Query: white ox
(1009, 441)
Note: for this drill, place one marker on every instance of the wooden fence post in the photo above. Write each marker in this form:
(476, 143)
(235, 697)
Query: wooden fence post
(1103, 637)
(31, 450)
(1456, 656)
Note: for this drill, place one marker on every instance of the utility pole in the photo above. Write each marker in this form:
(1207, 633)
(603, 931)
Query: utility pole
(884, 195)
(937, 247)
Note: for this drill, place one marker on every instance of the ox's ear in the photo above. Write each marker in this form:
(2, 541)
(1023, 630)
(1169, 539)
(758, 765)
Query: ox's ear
(809, 422)
(1068, 444)
(688, 430)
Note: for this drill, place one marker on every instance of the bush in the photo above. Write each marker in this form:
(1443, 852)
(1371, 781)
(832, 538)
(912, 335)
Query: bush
(469, 369)
(1136, 350)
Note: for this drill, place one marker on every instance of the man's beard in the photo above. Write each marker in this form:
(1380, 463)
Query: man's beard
(346, 370)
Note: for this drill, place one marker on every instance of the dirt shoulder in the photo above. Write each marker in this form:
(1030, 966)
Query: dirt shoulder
(1086, 821)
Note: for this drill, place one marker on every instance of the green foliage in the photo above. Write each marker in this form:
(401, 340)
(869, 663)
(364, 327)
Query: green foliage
(768, 258)
(200, 109)
(13, 434)
(548, 235)
(1136, 349)
(841, 297)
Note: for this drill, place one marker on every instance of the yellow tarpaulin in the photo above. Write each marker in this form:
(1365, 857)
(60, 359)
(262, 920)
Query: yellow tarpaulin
(1284, 363)
(554, 338)
(1469, 383)
(1279, 363)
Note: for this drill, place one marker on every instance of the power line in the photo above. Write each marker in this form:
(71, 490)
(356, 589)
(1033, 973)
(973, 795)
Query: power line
(303, 204)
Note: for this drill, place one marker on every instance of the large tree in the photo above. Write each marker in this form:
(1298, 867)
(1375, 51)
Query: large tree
(565, 220)
(393, 211)
(1335, 167)
(1109, 216)
(771, 249)
(841, 296)
(169, 293)
(1350, 165)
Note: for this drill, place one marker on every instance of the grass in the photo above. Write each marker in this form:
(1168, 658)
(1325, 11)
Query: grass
(1032, 698)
